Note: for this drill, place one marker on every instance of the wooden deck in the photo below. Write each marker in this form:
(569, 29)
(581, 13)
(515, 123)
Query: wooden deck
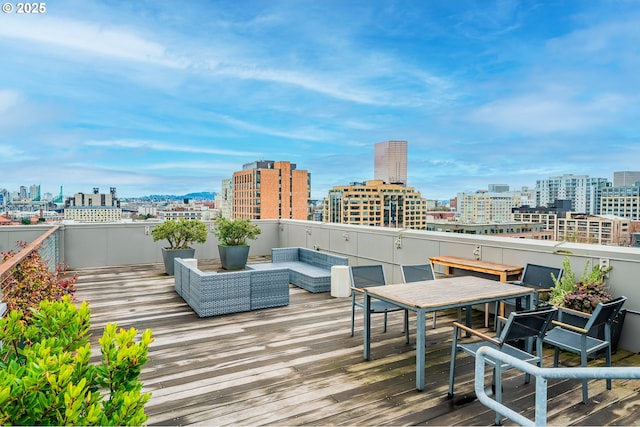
(298, 365)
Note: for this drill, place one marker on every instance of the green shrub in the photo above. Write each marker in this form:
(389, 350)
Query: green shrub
(46, 377)
(584, 293)
(180, 233)
(31, 282)
(235, 232)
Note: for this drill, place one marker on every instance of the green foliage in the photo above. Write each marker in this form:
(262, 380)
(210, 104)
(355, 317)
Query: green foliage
(582, 293)
(235, 232)
(180, 233)
(586, 297)
(32, 281)
(46, 377)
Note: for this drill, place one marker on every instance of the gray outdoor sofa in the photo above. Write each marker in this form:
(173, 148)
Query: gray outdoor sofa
(213, 294)
(308, 269)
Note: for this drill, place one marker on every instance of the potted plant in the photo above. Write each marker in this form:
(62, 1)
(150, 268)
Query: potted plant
(583, 294)
(180, 234)
(232, 237)
(580, 294)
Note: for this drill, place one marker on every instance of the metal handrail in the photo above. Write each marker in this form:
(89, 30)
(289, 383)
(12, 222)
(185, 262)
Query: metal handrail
(542, 375)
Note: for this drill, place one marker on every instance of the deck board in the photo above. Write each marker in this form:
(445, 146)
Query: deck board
(298, 365)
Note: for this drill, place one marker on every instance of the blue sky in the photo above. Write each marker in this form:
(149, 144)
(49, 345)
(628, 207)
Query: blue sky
(159, 97)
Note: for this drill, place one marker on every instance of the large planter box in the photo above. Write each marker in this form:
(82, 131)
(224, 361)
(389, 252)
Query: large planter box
(169, 255)
(233, 257)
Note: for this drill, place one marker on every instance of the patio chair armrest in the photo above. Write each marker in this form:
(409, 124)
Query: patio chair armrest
(476, 333)
(570, 327)
(354, 289)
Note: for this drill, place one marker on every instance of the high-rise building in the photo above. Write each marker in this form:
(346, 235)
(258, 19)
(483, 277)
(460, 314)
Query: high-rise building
(599, 230)
(583, 191)
(391, 162)
(94, 213)
(498, 188)
(34, 193)
(624, 178)
(94, 207)
(266, 189)
(548, 216)
(224, 199)
(622, 201)
(375, 203)
(484, 207)
(94, 199)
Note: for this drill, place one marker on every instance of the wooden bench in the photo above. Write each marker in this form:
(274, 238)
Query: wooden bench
(503, 272)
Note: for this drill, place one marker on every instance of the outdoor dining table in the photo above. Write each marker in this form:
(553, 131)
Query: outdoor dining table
(437, 295)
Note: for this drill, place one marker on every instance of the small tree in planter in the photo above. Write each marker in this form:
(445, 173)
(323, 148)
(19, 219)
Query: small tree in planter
(180, 234)
(232, 235)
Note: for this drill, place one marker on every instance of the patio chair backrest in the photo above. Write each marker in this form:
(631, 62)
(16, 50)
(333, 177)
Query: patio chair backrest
(364, 276)
(540, 276)
(417, 273)
(526, 324)
(605, 312)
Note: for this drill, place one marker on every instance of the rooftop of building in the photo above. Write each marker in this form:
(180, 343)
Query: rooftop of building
(298, 364)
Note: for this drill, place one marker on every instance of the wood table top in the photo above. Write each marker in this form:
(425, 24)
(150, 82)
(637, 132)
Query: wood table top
(451, 291)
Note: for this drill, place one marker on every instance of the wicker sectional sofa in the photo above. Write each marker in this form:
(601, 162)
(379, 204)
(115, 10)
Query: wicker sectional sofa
(308, 269)
(213, 294)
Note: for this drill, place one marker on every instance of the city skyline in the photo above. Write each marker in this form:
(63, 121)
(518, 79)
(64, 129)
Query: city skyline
(170, 98)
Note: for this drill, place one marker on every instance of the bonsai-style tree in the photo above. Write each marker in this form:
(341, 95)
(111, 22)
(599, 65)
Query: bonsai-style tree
(584, 293)
(235, 232)
(180, 233)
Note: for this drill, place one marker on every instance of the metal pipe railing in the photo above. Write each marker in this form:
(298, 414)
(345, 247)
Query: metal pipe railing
(542, 375)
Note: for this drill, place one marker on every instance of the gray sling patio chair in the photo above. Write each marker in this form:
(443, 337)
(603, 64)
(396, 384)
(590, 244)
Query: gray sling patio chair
(578, 340)
(522, 326)
(538, 277)
(364, 276)
(418, 273)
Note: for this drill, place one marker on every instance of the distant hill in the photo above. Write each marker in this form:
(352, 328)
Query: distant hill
(203, 195)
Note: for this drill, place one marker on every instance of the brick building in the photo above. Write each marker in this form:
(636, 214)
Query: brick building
(266, 189)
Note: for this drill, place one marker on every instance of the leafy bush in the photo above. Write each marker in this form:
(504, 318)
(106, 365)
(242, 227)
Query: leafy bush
(235, 232)
(31, 282)
(46, 377)
(180, 233)
(582, 293)
(586, 297)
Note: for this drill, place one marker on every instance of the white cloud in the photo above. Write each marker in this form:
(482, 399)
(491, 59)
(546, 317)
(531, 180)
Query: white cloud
(544, 113)
(91, 37)
(8, 100)
(12, 154)
(191, 166)
(307, 134)
(161, 146)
